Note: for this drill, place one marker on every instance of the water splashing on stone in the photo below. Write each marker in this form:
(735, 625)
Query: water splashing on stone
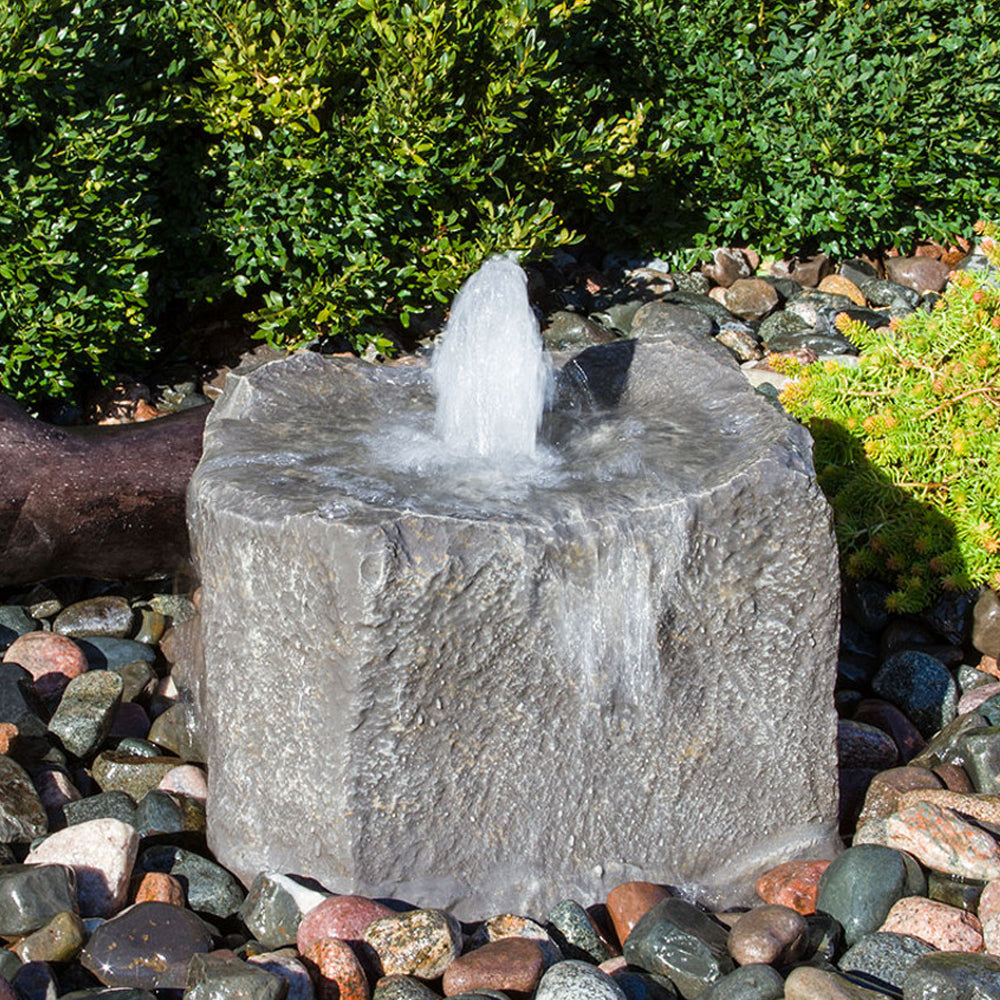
(490, 374)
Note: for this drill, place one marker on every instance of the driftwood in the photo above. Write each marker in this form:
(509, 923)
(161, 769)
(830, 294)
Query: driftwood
(103, 502)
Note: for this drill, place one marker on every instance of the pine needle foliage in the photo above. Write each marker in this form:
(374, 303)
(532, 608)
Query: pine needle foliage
(907, 445)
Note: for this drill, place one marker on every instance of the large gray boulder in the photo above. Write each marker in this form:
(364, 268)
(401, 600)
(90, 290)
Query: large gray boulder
(620, 669)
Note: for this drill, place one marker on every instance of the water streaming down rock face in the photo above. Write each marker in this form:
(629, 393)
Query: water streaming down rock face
(491, 375)
(491, 684)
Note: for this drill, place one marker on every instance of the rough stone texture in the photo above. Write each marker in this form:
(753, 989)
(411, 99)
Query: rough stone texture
(103, 503)
(405, 764)
(945, 927)
(794, 884)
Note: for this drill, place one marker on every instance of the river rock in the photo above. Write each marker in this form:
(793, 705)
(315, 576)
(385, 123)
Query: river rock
(575, 980)
(31, 895)
(345, 917)
(363, 772)
(59, 940)
(946, 974)
(115, 770)
(52, 660)
(102, 853)
(897, 298)
(980, 753)
(83, 717)
(156, 887)
(35, 981)
(749, 982)
(727, 266)
(921, 686)
(986, 624)
(794, 884)
(838, 284)
(421, 943)
(628, 902)
(862, 745)
(107, 652)
(805, 983)
(511, 964)
(942, 840)
(888, 957)
(922, 274)
(220, 977)
(22, 815)
(673, 322)
(751, 299)
(105, 805)
(769, 935)
(148, 946)
(402, 988)
(576, 934)
(962, 893)
(107, 615)
(14, 621)
(295, 974)
(677, 940)
(888, 718)
(274, 908)
(887, 789)
(19, 704)
(859, 888)
(210, 888)
(945, 927)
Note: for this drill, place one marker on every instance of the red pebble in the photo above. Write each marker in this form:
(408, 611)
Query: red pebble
(337, 972)
(794, 884)
(343, 917)
(52, 660)
(629, 902)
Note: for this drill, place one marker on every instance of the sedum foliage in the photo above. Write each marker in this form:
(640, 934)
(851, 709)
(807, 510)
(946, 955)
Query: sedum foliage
(331, 167)
(907, 445)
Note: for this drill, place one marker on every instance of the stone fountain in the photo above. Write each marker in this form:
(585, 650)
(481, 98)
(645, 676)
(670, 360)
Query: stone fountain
(474, 657)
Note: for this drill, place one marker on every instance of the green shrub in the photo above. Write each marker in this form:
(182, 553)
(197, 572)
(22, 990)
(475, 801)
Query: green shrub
(839, 125)
(339, 168)
(907, 445)
(93, 157)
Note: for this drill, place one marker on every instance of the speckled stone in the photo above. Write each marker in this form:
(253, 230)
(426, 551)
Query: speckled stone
(677, 940)
(638, 985)
(942, 840)
(104, 805)
(769, 935)
(14, 621)
(945, 927)
(402, 988)
(986, 624)
(749, 982)
(105, 616)
(512, 964)
(52, 660)
(139, 679)
(147, 946)
(345, 917)
(340, 975)
(31, 895)
(22, 814)
(102, 854)
(576, 934)
(508, 925)
(59, 940)
(83, 717)
(859, 888)
(629, 902)
(985, 808)
(972, 699)
(919, 685)
(56, 790)
(806, 983)
(420, 943)
(947, 975)
(127, 772)
(224, 977)
(794, 884)
(575, 980)
(289, 968)
(163, 813)
(943, 746)
(885, 956)
(210, 888)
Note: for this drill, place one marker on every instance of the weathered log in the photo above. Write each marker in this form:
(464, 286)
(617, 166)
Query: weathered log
(103, 502)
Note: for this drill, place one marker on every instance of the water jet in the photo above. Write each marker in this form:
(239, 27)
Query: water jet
(489, 676)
